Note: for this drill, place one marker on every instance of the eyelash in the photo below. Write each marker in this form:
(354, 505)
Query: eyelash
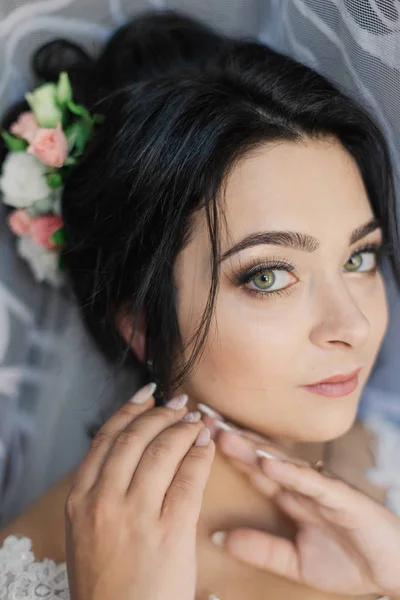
(241, 279)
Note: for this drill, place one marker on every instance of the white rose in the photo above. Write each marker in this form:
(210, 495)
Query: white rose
(44, 263)
(23, 180)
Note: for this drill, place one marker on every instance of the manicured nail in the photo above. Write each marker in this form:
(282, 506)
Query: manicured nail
(218, 538)
(266, 454)
(209, 411)
(203, 438)
(223, 425)
(178, 402)
(192, 417)
(144, 394)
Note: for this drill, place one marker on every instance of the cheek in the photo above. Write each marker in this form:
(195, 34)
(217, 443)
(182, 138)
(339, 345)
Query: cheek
(375, 307)
(253, 345)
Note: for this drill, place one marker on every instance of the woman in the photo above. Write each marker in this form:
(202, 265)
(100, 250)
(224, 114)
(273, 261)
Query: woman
(223, 176)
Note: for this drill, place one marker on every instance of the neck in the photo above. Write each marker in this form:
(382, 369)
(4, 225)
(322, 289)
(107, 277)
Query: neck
(230, 501)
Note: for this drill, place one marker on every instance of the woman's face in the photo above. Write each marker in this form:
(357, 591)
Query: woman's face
(300, 299)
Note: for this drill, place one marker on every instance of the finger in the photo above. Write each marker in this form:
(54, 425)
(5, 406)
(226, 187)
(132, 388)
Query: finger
(237, 447)
(215, 421)
(218, 425)
(210, 424)
(298, 507)
(241, 466)
(130, 443)
(160, 464)
(91, 465)
(256, 477)
(249, 450)
(262, 550)
(263, 484)
(184, 497)
(307, 510)
(242, 454)
(330, 493)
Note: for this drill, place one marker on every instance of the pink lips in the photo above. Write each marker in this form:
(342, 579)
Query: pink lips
(336, 386)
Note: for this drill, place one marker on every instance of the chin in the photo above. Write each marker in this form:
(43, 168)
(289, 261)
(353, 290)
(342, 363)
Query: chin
(323, 419)
(330, 427)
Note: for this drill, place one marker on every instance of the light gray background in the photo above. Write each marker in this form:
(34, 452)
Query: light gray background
(52, 381)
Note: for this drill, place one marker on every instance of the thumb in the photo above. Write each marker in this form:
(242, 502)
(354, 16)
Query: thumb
(261, 549)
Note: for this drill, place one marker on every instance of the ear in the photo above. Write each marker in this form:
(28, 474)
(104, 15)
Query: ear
(138, 343)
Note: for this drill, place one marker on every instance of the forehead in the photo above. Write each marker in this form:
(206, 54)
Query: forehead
(312, 186)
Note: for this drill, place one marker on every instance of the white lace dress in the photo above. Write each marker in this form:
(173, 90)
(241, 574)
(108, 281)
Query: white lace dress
(22, 578)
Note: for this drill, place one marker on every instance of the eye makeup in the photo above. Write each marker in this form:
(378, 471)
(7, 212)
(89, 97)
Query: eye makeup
(379, 250)
(255, 267)
(243, 278)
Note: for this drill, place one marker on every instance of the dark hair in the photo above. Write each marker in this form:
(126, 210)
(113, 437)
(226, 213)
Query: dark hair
(183, 104)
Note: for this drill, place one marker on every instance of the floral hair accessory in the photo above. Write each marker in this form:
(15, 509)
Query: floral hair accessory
(44, 145)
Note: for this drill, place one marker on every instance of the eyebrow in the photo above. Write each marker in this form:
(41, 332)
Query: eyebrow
(294, 239)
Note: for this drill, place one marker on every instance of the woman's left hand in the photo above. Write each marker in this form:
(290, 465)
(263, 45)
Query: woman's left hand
(345, 542)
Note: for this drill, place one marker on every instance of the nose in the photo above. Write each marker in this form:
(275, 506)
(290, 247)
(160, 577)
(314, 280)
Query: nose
(339, 319)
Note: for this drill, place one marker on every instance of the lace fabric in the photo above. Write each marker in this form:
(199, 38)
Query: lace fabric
(22, 578)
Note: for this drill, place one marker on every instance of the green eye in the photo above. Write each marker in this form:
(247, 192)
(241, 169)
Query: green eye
(361, 262)
(265, 280)
(354, 263)
(272, 280)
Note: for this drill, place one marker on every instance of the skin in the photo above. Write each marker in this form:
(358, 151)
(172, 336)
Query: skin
(146, 469)
(262, 349)
(334, 547)
(260, 355)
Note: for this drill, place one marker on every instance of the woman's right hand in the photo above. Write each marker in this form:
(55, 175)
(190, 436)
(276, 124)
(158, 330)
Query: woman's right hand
(132, 512)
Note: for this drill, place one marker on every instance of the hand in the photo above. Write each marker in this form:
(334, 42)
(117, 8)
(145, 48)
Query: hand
(132, 512)
(345, 542)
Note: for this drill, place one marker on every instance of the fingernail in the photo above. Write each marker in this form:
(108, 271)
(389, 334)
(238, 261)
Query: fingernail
(203, 438)
(178, 402)
(223, 425)
(192, 417)
(144, 394)
(266, 454)
(209, 411)
(239, 447)
(218, 538)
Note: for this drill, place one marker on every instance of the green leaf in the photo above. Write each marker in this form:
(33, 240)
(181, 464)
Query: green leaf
(54, 180)
(58, 237)
(70, 133)
(70, 161)
(43, 103)
(64, 89)
(80, 111)
(61, 262)
(13, 143)
(98, 118)
(78, 134)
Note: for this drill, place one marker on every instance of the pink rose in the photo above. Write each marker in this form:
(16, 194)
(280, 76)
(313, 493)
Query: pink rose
(25, 127)
(20, 222)
(42, 228)
(50, 146)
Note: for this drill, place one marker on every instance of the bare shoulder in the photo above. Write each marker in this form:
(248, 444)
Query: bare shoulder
(43, 522)
(351, 455)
